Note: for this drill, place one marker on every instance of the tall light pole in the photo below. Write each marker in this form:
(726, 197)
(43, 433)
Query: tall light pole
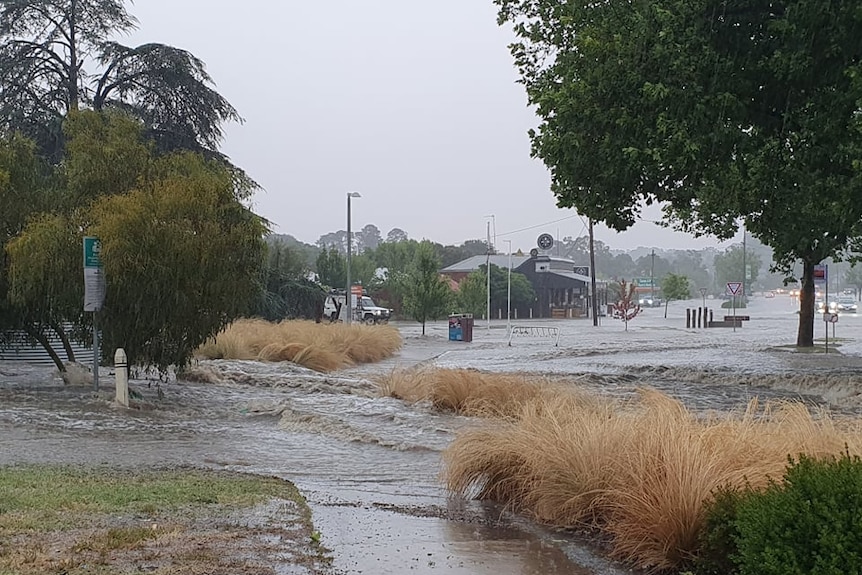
(594, 304)
(349, 295)
(509, 289)
(488, 278)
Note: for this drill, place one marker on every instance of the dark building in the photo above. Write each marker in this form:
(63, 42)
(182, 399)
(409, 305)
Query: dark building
(562, 287)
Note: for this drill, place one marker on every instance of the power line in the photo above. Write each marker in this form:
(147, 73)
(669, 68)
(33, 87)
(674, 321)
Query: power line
(540, 225)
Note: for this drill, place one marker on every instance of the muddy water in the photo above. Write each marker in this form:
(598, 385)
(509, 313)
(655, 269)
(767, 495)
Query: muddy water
(370, 466)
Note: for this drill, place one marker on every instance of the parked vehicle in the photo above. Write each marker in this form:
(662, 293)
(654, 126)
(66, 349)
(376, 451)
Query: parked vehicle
(847, 304)
(364, 309)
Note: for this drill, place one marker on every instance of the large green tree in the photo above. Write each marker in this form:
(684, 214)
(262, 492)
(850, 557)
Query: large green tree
(182, 252)
(58, 56)
(426, 293)
(729, 112)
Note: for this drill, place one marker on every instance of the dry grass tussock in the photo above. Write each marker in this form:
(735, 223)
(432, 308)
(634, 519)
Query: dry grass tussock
(318, 346)
(465, 391)
(639, 471)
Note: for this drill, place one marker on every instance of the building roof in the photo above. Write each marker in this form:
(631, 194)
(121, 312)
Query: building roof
(474, 263)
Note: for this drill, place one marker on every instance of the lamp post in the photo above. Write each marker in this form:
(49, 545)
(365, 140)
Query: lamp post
(488, 270)
(349, 295)
(509, 289)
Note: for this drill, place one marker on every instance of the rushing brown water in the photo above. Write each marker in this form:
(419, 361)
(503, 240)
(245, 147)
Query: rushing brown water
(370, 466)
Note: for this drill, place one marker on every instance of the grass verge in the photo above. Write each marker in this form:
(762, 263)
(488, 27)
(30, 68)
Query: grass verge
(318, 346)
(76, 520)
(639, 471)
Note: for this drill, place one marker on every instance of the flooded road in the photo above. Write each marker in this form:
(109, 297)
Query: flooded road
(370, 466)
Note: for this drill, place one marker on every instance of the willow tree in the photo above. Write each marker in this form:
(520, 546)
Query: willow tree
(182, 252)
(58, 56)
(182, 258)
(725, 112)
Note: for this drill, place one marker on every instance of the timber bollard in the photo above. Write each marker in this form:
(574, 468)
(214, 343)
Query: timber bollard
(687, 318)
(121, 374)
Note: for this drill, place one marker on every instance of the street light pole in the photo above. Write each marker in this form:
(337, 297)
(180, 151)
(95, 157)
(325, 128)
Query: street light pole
(348, 295)
(509, 290)
(488, 278)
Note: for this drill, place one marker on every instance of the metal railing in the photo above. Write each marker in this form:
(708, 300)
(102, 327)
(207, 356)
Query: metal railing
(535, 331)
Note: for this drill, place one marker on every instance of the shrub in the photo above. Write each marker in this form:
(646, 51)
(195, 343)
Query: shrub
(811, 523)
(718, 536)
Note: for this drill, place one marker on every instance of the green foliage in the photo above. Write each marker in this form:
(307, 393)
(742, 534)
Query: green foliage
(719, 534)
(105, 154)
(675, 287)
(182, 256)
(472, 294)
(287, 293)
(426, 294)
(728, 267)
(332, 268)
(473, 291)
(57, 57)
(722, 113)
(808, 524)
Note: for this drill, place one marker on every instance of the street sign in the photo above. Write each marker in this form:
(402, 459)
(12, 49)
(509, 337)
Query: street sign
(734, 287)
(582, 270)
(830, 317)
(643, 282)
(703, 291)
(94, 276)
(821, 274)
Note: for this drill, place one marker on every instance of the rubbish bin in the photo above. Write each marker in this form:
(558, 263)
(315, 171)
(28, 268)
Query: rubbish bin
(461, 327)
(467, 327)
(456, 331)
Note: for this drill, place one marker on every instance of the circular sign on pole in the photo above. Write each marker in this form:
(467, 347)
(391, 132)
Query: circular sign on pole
(830, 317)
(545, 241)
(703, 291)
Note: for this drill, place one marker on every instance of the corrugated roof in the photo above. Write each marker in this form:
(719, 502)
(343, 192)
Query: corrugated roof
(474, 263)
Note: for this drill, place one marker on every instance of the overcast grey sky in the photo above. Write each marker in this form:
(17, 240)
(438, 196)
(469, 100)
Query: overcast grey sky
(413, 103)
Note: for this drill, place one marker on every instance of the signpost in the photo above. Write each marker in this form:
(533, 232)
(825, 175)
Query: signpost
(733, 288)
(703, 296)
(94, 293)
(821, 277)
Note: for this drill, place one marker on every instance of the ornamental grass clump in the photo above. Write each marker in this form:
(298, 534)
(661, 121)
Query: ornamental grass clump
(640, 471)
(318, 346)
(464, 391)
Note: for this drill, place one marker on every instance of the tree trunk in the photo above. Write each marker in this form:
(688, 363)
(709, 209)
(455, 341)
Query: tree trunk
(70, 355)
(666, 301)
(423, 328)
(43, 341)
(805, 335)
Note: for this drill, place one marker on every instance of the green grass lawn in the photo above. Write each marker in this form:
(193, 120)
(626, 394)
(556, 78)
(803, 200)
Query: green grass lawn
(75, 520)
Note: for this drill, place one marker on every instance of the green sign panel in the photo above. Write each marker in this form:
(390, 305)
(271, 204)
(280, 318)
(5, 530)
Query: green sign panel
(92, 252)
(643, 282)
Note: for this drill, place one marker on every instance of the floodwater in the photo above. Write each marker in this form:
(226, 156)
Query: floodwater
(370, 466)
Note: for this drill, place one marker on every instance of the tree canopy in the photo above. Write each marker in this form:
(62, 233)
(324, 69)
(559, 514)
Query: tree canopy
(726, 112)
(426, 294)
(59, 56)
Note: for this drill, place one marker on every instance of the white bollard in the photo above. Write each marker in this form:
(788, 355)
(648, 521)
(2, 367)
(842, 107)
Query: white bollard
(122, 377)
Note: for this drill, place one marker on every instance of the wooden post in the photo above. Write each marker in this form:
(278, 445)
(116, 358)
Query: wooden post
(121, 374)
(687, 318)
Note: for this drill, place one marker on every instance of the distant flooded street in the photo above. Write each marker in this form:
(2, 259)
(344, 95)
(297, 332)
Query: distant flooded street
(370, 466)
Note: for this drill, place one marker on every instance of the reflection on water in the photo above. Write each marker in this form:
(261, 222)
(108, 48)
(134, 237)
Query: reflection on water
(370, 466)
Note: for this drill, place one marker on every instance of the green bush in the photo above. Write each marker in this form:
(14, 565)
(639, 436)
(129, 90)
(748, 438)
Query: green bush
(717, 541)
(810, 524)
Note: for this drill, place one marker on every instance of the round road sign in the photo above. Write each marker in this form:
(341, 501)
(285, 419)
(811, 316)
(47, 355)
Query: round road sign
(545, 241)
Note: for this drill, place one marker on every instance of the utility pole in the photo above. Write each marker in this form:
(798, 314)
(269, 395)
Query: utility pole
(488, 276)
(744, 267)
(593, 303)
(652, 278)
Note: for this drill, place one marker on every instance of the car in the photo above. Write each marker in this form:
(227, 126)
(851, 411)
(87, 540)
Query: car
(650, 302)
(847, 304)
